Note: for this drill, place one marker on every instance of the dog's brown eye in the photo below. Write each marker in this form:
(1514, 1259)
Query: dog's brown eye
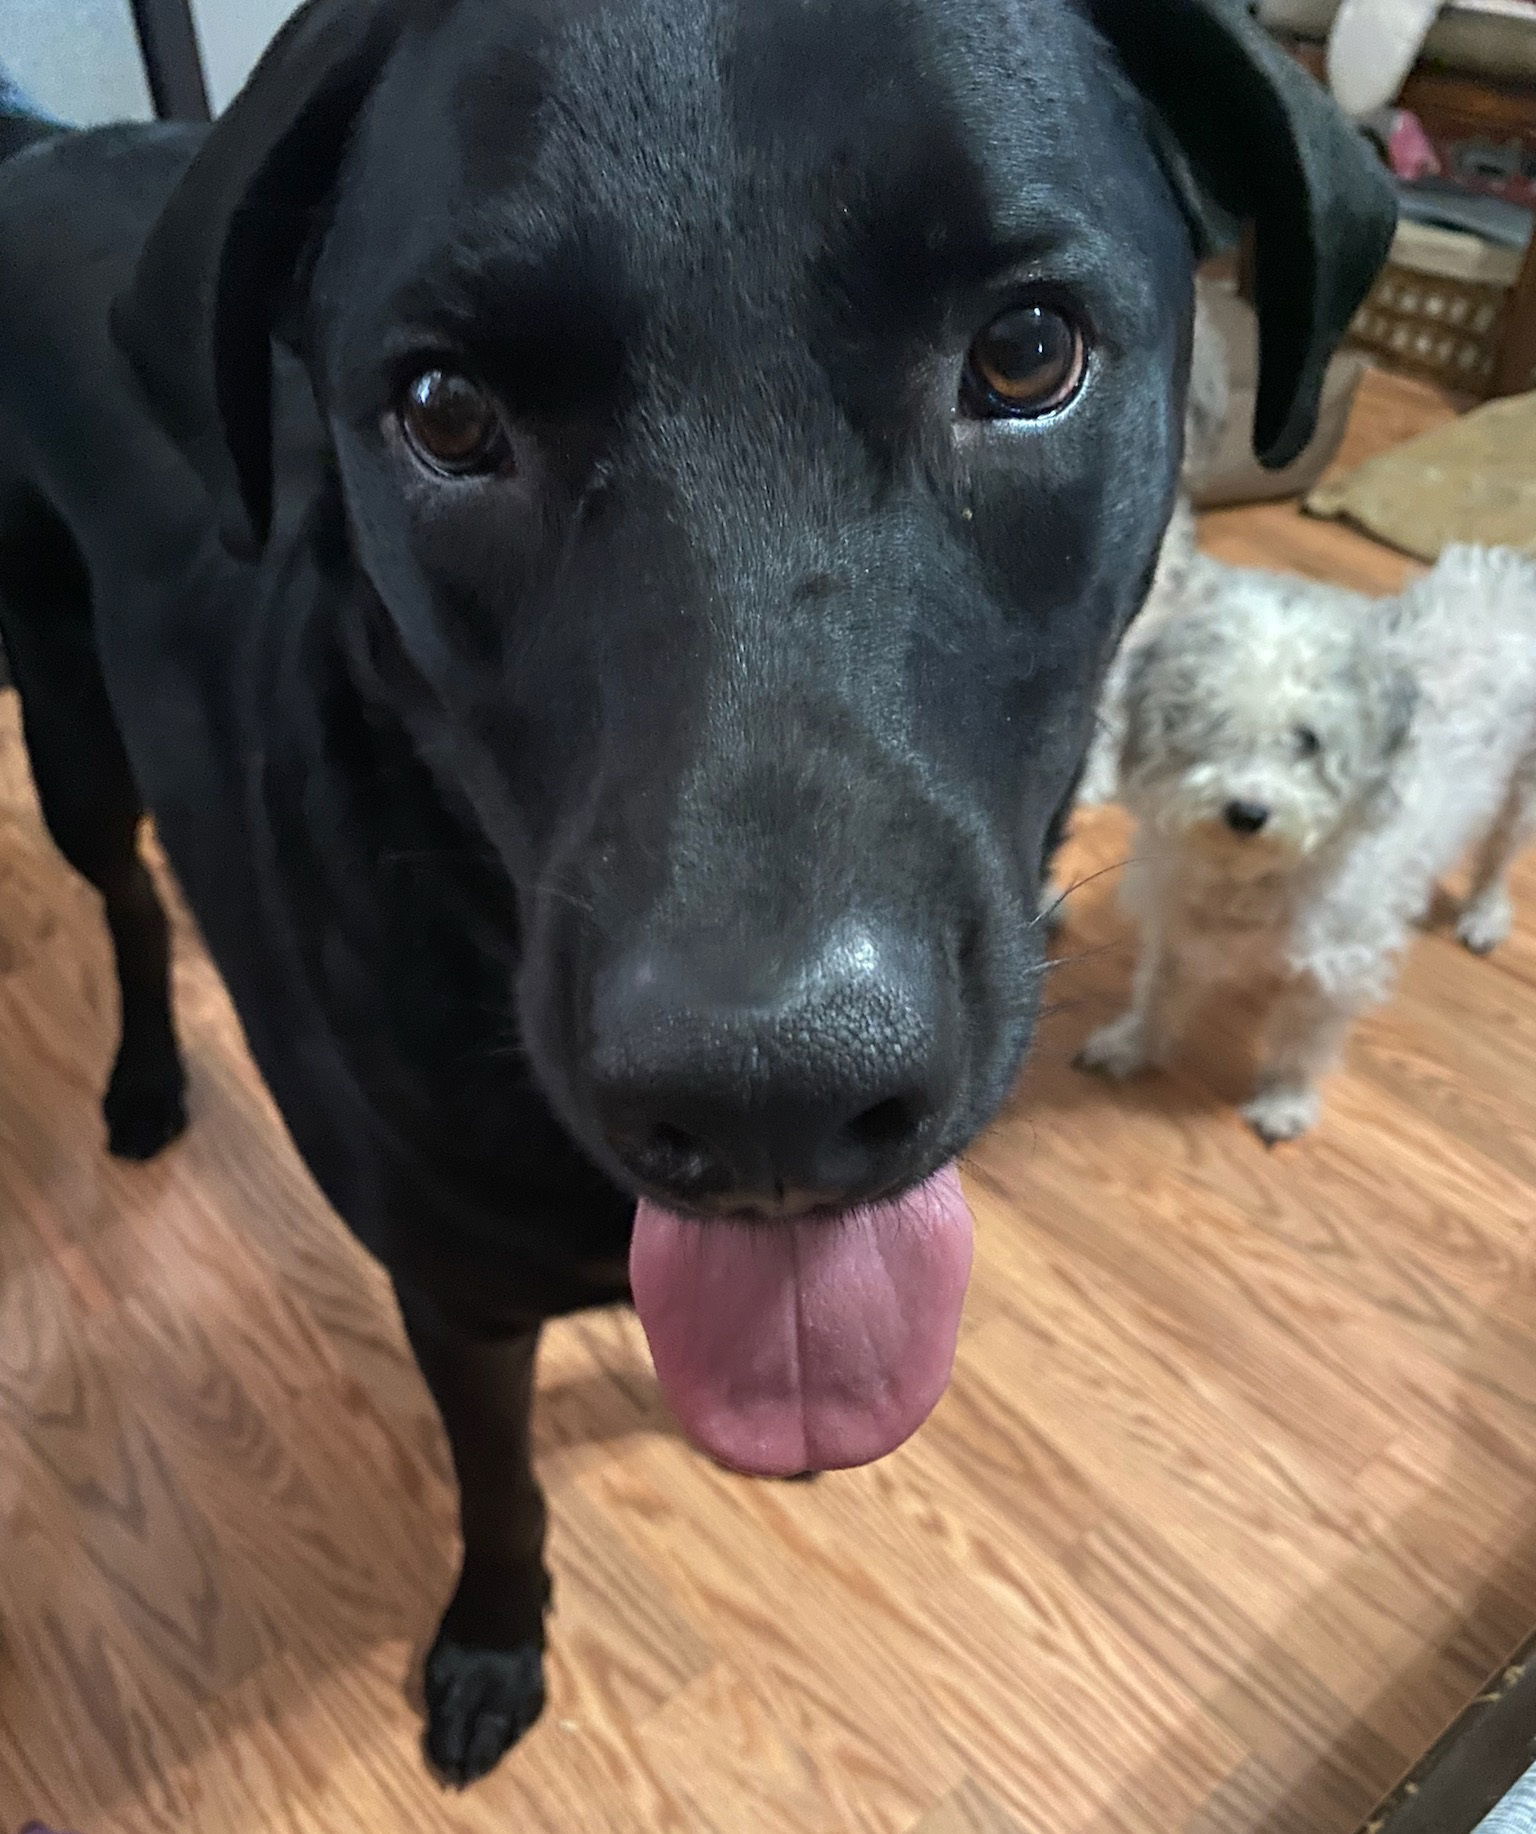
(1308, 744)
(452, 424)
(1027, 362)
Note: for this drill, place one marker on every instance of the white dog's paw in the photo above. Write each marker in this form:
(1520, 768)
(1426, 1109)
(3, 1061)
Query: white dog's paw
(1486, 922)
(1283, 1113)
(1118, 1050)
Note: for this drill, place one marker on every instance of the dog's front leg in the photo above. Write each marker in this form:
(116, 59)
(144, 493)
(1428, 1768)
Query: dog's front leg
(485, 1673)
(1303, 1037)
(1489, 913)
(1165, 992)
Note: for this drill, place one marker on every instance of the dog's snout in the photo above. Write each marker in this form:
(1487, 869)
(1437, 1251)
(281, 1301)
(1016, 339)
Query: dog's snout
(1246, 817)
(725, 1085)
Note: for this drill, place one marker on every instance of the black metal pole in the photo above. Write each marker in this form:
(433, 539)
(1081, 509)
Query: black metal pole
(172, 60)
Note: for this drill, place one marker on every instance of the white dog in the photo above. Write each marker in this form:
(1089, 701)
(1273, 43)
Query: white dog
(1304, 765)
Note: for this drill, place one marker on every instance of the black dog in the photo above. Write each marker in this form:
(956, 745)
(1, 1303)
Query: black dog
(595, 527)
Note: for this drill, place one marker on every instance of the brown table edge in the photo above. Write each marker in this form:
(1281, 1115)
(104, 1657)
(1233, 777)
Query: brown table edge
(1475, 1764)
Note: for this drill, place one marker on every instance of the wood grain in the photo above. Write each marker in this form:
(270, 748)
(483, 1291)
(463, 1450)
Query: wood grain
(1232, 1503)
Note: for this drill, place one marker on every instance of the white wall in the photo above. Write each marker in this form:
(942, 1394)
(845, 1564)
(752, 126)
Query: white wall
(79, 58)
(234, 34)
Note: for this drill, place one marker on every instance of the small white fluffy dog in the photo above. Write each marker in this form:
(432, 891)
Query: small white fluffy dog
(1304, 765)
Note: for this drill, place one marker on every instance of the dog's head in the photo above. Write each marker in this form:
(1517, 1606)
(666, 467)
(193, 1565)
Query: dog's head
(1262, 725)
(755, 421)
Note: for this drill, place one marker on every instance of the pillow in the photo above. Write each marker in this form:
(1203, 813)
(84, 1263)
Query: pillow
(1472, 479)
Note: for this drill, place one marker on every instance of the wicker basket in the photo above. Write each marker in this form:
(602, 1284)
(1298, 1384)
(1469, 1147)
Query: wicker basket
(1438, 308)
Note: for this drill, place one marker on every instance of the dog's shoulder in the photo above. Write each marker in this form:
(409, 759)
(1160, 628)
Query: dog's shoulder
(74, 212)
(99, 185)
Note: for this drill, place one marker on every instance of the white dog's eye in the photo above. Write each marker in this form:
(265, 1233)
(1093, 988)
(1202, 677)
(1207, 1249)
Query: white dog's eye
(1308, 744)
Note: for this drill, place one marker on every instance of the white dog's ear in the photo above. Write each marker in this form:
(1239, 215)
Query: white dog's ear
(1386, 695)
(1399, 699)
(1143, 722)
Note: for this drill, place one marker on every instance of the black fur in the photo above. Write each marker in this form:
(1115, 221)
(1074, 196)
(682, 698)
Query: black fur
(22, 123)
(667, 812)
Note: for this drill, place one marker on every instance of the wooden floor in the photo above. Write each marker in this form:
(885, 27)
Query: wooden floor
(1232, 1504)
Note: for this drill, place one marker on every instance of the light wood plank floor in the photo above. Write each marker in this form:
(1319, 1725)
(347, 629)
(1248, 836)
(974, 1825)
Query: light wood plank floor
(1232, 1505)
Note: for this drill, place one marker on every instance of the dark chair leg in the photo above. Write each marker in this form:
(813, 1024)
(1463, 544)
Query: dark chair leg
(172, 60)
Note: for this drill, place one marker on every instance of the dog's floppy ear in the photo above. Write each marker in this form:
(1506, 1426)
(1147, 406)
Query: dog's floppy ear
(198, 320)
(1257, 139)
(1141, 714)
(1393, 700)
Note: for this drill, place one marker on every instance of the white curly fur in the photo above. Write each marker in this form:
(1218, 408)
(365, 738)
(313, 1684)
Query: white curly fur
(1380, 740)
(1180, 565)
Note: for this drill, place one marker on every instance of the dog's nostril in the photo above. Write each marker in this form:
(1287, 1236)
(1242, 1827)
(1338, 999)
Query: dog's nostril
(1246, 817)
(667, 1139)
(747, 1077)
(665, 1155)
(885, 1125)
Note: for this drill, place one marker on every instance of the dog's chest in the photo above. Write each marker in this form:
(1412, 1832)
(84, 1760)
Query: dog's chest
(1229, 929)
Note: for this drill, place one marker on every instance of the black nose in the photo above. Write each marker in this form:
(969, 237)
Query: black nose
(763, 1081)
(1245, 817)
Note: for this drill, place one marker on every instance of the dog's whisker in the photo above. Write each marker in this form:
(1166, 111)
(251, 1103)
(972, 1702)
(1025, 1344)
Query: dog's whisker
(1047, 912)
(434, 856)
(1116, 946)
(552, 888)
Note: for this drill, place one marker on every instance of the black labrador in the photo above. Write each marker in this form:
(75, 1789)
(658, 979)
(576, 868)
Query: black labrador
(594, 526)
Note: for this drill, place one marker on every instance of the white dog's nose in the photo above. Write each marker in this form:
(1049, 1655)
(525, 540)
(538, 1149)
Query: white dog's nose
(1245, 817)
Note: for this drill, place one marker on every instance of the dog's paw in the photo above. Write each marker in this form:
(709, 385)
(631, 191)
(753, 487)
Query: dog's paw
(1486, 923)
(480, 1702)
(1276, 1115)
(1118, 1050)
(143, 1121)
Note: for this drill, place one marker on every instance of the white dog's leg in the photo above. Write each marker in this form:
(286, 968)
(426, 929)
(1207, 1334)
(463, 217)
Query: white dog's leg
(1161, 1001)
(1302, 1041)
(1488, 913)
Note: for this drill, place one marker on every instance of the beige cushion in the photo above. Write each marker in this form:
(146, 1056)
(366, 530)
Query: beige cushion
(1494, 38)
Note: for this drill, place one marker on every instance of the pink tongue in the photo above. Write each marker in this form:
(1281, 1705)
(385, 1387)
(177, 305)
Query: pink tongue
(789, 1347)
